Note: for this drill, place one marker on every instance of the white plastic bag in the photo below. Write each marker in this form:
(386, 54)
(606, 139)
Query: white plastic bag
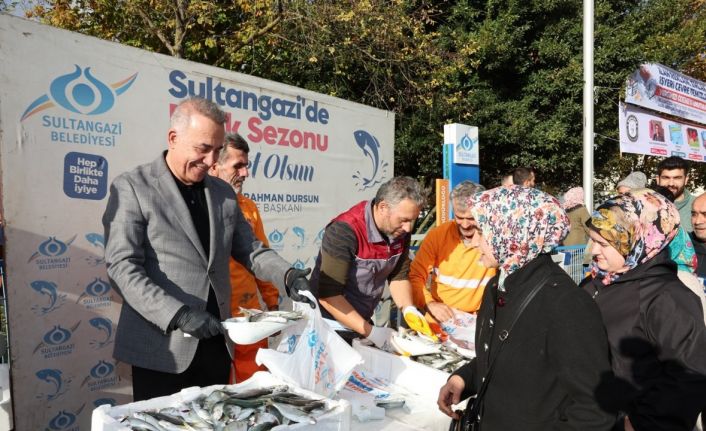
(462, 330)
(311, 355)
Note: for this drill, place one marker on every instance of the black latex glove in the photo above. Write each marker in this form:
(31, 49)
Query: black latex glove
(295, 281)
(197, 323)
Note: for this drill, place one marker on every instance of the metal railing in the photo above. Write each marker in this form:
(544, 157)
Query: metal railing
(571, 258)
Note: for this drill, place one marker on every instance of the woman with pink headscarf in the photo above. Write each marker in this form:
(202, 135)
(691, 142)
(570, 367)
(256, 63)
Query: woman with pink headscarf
(578, 215)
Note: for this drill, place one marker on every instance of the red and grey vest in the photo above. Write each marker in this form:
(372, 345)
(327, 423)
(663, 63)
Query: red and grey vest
(375, 259)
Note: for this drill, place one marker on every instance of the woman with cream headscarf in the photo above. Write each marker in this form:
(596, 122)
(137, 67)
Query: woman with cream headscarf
(552, 360)
(578, 215)
(654, 323)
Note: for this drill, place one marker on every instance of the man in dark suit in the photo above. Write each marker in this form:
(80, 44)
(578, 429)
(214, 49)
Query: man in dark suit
(170, 229)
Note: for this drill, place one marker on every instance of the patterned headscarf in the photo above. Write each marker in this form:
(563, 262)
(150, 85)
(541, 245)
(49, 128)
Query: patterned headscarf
(682, 252)
(519, 223)
(638, 224)
(573, 198)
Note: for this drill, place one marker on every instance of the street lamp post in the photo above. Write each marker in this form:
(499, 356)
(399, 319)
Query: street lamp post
(588, 103)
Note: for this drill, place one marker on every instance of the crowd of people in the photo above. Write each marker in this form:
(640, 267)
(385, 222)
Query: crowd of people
(625, 350)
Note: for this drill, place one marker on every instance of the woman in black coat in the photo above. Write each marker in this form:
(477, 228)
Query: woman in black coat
(654, 323)
(555, 357)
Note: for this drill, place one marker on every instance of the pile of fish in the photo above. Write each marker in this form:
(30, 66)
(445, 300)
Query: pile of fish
(225, 410)
(252, 315)
(446, 360)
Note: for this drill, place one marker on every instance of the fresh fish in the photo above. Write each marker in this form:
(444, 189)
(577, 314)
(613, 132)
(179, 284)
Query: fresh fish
(266, 417)
(252, 393)
(259, 409)
(265, 426)
(214, 397)
(139, 424)
(217, 412)
(231, 411)
(268, 316)
(149, 419)
(446, 360)
(262, 317)
(314, 405)
(280, 419)
(193, 419)
(201, 412)
(245, 414)
(292, 413)
(162, 416)
(237, 426)
(306, 404)
(249, 403)
(168, 426)
(391, 403)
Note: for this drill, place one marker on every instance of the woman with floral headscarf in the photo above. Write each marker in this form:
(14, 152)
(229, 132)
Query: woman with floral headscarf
(554, 357)
(655, 329)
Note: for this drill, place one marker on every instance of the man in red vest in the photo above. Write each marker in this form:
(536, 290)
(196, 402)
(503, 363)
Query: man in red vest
(363, 249)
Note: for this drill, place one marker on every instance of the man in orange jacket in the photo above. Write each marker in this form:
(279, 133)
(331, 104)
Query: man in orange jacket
(446, 272)
(232, 167)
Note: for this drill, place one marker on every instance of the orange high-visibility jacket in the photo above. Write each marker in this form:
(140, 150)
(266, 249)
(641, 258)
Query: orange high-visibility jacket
(453, 271)
(244, 286)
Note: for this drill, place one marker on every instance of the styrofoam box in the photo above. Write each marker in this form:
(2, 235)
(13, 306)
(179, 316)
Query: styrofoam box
(422, 381)
(338, 418)
(413, 376)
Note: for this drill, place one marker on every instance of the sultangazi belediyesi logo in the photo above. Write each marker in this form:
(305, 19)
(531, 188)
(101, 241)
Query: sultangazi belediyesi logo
(80, 92)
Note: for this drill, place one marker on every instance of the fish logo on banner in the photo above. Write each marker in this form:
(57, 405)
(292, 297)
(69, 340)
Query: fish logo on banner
(101, 376)
(96, 295)
(54, 378)
(65, 421)
(301, 234)
(50, 254)
(105, 327)
(57, 342)
(370, 146)
(98, 242)
(80, 92)
(47, 289)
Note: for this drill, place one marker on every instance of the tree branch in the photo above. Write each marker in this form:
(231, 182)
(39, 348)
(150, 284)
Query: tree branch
(180, 11)
(263, 31)
(155, 30)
